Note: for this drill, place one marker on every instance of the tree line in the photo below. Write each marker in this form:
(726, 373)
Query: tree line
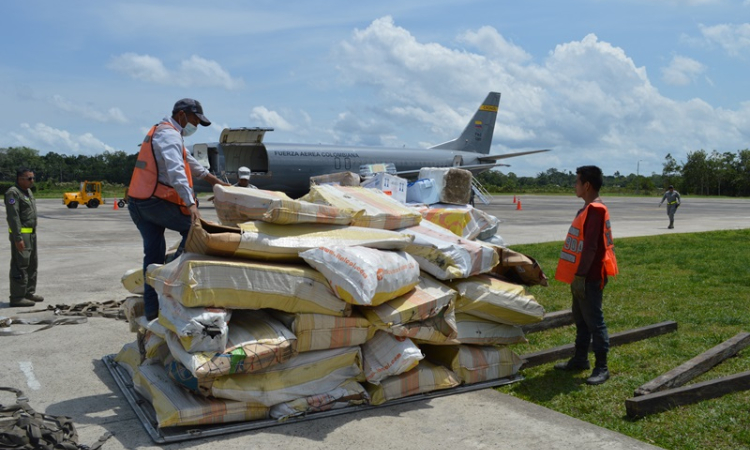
(703, 173)
(113, 167)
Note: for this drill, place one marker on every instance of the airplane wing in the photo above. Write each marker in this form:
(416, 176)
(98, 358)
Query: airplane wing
(510, 155)
(473, 168)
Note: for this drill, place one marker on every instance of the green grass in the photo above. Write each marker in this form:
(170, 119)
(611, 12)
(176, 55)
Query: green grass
(699, 280)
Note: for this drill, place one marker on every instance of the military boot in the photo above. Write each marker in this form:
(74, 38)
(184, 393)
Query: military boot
(34, 297)
(21, 302)
(601, 372)
(579, 361)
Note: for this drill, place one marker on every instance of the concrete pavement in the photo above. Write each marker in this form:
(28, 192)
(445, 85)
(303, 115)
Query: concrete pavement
(84, 252)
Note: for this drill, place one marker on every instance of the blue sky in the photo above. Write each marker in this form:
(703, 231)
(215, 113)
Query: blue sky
(617, 83)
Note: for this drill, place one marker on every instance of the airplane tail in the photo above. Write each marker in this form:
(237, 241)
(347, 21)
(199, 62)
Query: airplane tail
(477, 136)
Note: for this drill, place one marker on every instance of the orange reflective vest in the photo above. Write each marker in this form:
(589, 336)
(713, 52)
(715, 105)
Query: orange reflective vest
(145, 181)
(570, 256)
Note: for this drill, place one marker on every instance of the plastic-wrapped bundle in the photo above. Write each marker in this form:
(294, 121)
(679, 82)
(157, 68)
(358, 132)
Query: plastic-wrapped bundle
(271, 242)
(304, 375)
(454, 184)
(348, 394)
(321, 332)
(477, 331)
(426, 300)
(175, 406)
(256, 341)
(200, 280)
(493, 299)
(474, 364)
(236, 204)
(198, 329)
(370, 208)
(426, 377)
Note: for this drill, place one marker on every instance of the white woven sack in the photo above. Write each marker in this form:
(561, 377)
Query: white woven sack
(386, 355)
(446, 256)
(364, 276)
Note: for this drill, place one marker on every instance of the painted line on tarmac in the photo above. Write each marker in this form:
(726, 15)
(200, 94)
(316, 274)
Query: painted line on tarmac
(28, 369)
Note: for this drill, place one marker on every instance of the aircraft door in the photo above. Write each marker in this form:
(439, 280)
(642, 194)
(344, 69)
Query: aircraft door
(337, 163)
(458, 161)
(347, 163)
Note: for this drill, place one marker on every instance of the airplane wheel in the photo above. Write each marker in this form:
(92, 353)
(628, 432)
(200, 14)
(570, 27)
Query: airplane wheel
(73, 205)
(93, 203)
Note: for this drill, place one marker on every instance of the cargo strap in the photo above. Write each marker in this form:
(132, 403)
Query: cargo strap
(23, 230)
(25, 429)
(49, 320)
(111, 309)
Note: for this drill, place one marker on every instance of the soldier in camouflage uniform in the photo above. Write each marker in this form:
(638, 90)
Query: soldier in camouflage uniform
(20, 209)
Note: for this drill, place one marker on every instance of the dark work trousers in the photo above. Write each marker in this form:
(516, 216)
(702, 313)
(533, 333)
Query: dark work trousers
(589, 319)
(152, 217)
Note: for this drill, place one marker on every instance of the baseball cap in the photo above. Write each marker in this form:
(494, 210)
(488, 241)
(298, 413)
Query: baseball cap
(244, 173)
(193, 106)
(671, 187)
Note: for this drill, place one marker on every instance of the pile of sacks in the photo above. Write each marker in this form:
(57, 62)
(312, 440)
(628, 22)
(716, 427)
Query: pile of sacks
(344, 297)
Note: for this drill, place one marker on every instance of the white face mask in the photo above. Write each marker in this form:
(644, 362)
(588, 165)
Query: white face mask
(189, 129)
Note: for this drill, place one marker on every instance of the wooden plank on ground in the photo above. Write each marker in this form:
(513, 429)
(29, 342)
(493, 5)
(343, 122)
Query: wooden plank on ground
(555, 319)
(623, 337)
(671, 398)
(696, 366)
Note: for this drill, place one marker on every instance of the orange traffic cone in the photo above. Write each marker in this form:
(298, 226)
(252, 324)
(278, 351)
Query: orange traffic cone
(115, 207)
(514, 199)
(518, 205)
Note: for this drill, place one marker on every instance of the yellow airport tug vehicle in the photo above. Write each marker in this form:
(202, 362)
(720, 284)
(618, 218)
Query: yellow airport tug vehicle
(90, 195)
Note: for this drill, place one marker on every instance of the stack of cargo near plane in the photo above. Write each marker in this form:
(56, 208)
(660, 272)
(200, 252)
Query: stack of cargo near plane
(344, 297)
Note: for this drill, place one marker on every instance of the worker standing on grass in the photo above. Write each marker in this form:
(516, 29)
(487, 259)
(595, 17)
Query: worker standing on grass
(673, 202)
(161, 190)
(20, 208)
(587, 259)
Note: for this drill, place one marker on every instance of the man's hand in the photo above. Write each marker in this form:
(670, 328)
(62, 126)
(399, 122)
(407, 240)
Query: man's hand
(213, 180)
(20, 246)
(195, 216)
(578, 287)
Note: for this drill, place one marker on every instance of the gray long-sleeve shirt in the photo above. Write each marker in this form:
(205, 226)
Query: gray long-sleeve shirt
(167, 143)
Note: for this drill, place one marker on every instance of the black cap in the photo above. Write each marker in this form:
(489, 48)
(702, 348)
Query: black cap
(671, 187)
(193, 106)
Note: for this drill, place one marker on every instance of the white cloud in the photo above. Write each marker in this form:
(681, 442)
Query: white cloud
(681, 71)
(587, 100)
(266, 118)
(492, 43)
(734, 39)
(193, 72)
(111, 115)
(48, 139)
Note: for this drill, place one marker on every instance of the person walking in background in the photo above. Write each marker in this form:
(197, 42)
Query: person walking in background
(586, 261)
(673, 202)
(20, 208)
(161, 190)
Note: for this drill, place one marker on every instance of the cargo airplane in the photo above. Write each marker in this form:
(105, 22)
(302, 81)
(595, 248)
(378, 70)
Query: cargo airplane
(288, 167)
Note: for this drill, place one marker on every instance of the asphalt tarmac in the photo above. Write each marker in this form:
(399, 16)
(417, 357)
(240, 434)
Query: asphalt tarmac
(84, 252)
